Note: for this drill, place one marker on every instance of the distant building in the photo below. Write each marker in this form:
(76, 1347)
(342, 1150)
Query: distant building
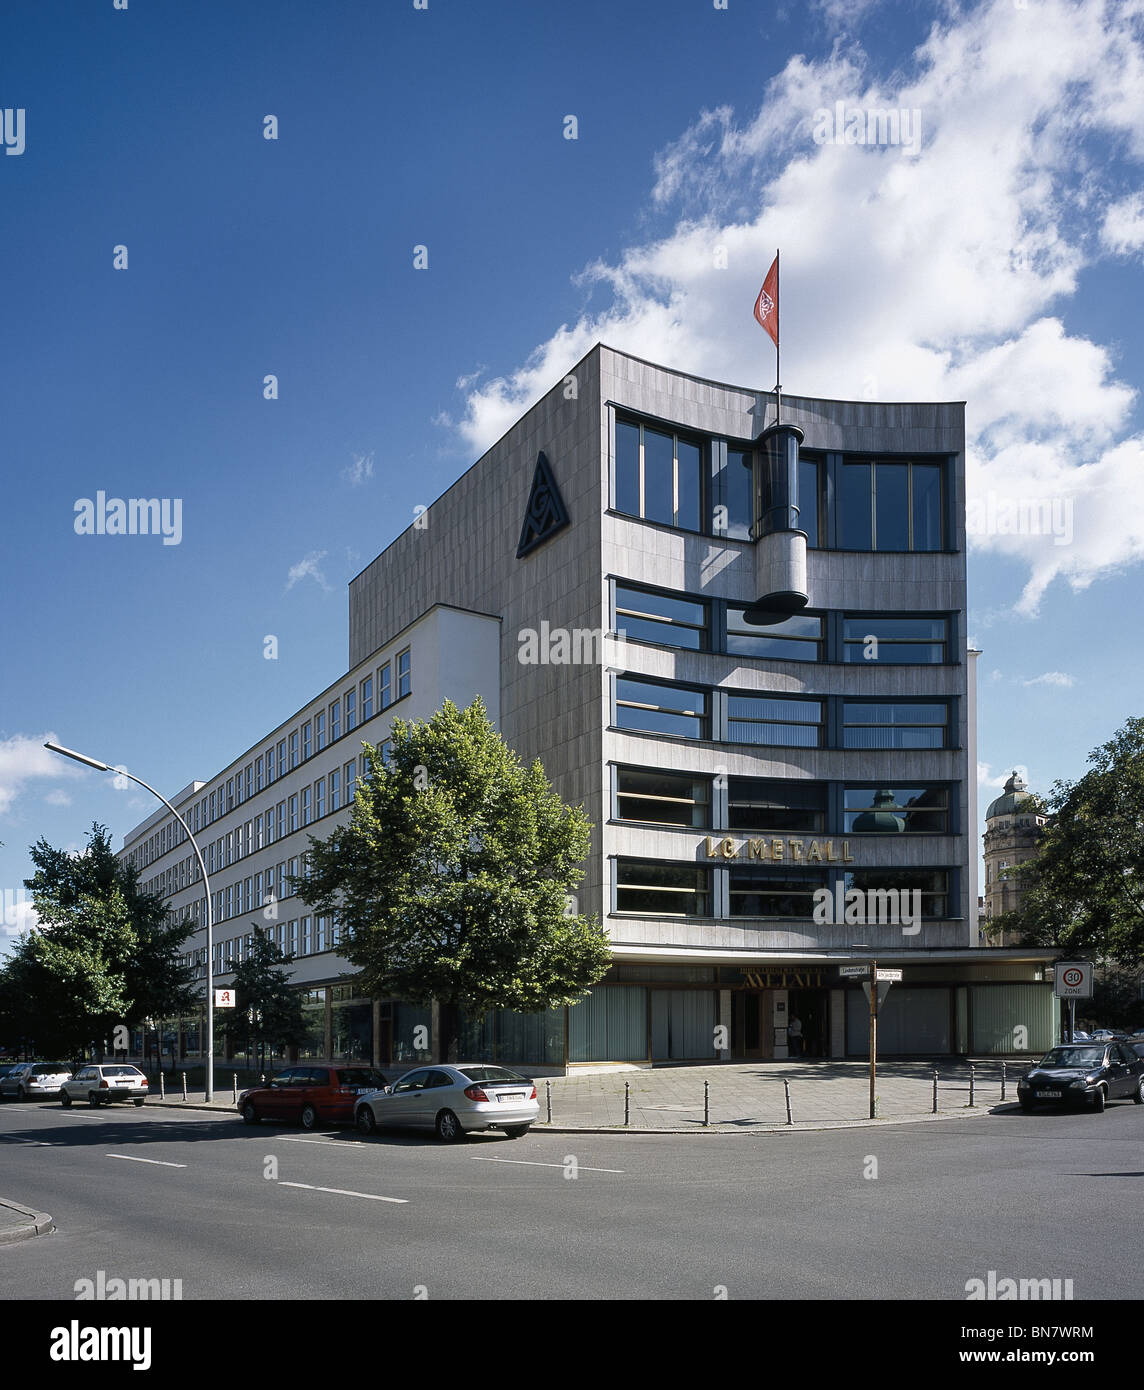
(1012, 824)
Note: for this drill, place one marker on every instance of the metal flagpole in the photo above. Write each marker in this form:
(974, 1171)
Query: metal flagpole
(778, 340)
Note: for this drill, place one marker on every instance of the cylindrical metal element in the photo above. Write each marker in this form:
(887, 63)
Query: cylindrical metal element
(1002, 1080)
(972, 1078)
(548, 1099)
(627, 1102)
(780, 578)
(935, 1090)
(786, 1088)
(706, 1103)
(162, 1085)
(184, 1085)
(236, 1088)
(775, 469)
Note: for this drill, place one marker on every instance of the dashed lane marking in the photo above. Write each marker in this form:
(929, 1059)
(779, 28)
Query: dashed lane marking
(344, 1192)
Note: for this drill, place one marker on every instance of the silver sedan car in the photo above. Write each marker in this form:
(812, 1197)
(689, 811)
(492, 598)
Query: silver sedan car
(453, 1100)
(30, 1080)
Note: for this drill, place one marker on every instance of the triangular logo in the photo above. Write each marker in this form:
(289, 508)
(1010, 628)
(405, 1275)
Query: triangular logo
(545, 514)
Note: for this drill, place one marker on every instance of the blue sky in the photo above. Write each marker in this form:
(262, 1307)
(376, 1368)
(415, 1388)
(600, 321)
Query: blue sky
(1000, 262)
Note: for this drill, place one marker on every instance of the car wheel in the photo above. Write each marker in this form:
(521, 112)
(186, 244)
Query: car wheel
(1138, 1093)
(366, 1120)
(250, 1115)
(309, 1117)
(516, 1131)
(92, 1100)
(449, 1128)
(22, 1095)
(1099, 1099)
(65, 1099)
(1026, 1106)
(140, 1101)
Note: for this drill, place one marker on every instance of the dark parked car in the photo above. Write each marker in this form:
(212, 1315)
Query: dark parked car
(1084, 1074)
(310, 1094)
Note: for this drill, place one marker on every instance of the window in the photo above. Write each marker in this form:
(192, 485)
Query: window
(404, 673)
(919, 641)
(754, 803)
(796, 639)
(367, 699)
(891, 506)
(809, 499)
(230, 847)
(754, 891)
(647, 616)
(385, 699)
(230, 793)
(667, 798)
(896, 810)
(320, 729)
(351, 710)
(662, 890)
(258, 774)
(305, 740)
(249, 780)
(282, 820)
(334, 779)
(895, 724)
(738, 495)
(661, 709)
(307, 944)
(319, 798)
(350, 770)
(270, 827)
(293, 813)
(212, 806)
(305, 805)
(281, 875)
(294, 749)
(282, 758)
(774, 720)
(657, 475)
(335, 721)
(270, 770)
(932, 884)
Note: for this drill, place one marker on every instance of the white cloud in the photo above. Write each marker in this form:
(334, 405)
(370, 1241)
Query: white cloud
(357, 472)
(23, 758)
(58, 798)
(17, 915)
(1061, 678)
(308, 568)
(1123, 228)
(940, 276)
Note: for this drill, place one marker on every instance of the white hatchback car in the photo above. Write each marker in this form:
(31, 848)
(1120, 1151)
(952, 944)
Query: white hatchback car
(453, 1100)
(34, 1080)
(101, 1083)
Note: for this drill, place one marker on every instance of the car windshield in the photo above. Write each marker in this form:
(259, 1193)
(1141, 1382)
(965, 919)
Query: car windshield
(1073, 1057)
(360, 1076)
(49, 1069)
(490, 1074)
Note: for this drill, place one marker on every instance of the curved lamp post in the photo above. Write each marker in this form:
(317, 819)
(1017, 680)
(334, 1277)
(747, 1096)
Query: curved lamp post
(119, 772)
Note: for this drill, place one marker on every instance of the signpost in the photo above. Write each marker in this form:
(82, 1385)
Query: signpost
(875, 991)
(1072, 980)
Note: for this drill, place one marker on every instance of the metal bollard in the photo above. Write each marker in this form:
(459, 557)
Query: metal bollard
(786, 1088)
(627, 1102)
(184, 1085)
(935, 1090)
(1002, 1080)
(706, 1104)
(548, 1099)
(972, 1078)
(236, 1088)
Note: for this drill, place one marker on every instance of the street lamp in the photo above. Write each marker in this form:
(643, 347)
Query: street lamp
(119, 772)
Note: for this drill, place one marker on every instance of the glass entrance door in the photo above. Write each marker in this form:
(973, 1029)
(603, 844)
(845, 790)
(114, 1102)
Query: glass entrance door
(752, 1031)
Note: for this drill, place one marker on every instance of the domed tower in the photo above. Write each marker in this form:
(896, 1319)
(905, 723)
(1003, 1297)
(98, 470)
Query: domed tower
(1012, 823)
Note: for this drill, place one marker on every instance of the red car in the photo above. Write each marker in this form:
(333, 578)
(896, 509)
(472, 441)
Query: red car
(310, 1094)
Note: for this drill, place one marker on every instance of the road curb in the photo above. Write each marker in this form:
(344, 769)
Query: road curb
(803, 1127)
(36, 1223)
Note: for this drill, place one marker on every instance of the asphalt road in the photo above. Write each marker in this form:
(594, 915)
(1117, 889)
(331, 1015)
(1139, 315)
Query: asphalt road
(240, 1213)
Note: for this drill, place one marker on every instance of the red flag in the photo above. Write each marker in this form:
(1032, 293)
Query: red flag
(767, 304)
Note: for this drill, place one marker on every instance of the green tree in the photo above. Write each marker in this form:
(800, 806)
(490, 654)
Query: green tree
(103, 951)
(1084, 889)
(452, 877)
(267, 1010)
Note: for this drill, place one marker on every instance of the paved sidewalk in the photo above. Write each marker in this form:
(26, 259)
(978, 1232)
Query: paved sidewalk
(746, 1096)
(20, 1223)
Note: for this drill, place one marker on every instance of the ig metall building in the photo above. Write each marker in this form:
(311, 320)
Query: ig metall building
(740, 642)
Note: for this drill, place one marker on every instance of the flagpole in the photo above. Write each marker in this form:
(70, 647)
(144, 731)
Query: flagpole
(778, 340)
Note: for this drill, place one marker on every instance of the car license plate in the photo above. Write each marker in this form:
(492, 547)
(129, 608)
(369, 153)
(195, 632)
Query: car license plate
(1051, 1095)
(510, 1095)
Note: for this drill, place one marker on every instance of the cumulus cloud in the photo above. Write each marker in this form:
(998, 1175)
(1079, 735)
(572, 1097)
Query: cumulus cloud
(1122, 230)
(23, 758)
(942, 275)
(308, 568)
(1061, 678)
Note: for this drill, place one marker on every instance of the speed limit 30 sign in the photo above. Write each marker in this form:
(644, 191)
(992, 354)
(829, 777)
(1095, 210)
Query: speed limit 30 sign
(1072, 979)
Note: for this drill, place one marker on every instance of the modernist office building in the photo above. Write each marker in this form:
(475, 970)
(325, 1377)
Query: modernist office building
(741, 646)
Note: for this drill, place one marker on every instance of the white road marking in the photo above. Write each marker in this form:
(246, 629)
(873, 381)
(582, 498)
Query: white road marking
(162, 1163)
(533, 1163)
(343, 1192)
